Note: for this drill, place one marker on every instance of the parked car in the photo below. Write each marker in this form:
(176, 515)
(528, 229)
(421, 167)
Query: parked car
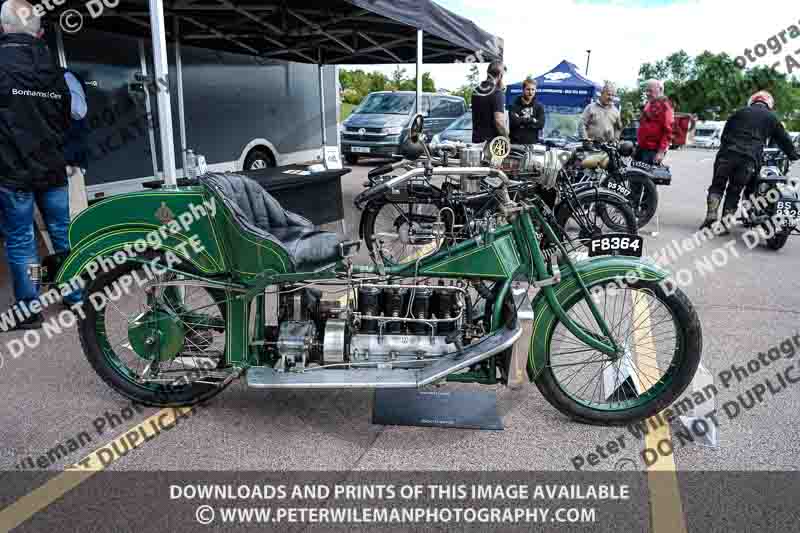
(629, 133)
(708, 134)
(378, 126)
(458, 131)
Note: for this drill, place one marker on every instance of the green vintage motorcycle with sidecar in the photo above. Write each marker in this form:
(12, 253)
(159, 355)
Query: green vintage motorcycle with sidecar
(258, 294)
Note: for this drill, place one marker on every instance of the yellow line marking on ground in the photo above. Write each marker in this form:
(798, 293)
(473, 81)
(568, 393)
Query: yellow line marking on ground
(97, 461)
(666, 507)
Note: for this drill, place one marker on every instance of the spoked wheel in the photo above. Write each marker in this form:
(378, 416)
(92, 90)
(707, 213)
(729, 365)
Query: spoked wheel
(661, 343)
(593, 216)
(405, 229)
(161, 342)
(642, 195)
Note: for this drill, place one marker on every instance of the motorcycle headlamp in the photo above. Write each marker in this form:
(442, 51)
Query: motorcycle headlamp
(762, 188)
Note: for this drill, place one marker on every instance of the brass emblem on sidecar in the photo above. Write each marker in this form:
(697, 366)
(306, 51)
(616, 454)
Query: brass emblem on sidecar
(164, 213)
(499, 148)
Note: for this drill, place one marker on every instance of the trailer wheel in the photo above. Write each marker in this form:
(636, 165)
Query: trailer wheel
(259, 158)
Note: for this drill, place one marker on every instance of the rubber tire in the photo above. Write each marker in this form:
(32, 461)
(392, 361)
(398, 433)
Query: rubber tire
(687, 321)
(564, 211)
(256, 155)
(777, 241)
(180, 397)
(351, 159)
(368, 217)
(650, 191)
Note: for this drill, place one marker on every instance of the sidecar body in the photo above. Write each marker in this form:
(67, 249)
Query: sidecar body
(229, 227)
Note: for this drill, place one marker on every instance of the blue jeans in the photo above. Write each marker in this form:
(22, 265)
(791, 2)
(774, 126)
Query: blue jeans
(21, 248)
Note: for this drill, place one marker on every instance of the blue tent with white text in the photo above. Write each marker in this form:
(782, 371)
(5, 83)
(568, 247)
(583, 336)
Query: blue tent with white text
(562, 87)
(564, 93)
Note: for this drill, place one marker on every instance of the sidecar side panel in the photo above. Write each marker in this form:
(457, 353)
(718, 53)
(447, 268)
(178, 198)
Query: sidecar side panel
(120, 221)
(248, 255)
(601, 269)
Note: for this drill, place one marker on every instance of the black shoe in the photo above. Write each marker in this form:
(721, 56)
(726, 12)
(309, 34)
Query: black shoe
(32, 322)
(707, 224)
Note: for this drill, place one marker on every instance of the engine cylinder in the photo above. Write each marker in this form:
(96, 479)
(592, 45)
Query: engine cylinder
(396, 302)
(369, 303)
(421, 309)
(445, 306)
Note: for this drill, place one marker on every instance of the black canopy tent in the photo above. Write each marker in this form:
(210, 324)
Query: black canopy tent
(309, 31)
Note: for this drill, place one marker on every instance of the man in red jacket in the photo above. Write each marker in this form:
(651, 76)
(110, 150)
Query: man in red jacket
(654, 135)
(655, 125)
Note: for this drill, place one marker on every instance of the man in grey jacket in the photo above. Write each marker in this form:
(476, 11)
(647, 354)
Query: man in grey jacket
(601, 121)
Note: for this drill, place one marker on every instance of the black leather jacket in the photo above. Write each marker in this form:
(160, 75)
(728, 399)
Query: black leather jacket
(747, 131)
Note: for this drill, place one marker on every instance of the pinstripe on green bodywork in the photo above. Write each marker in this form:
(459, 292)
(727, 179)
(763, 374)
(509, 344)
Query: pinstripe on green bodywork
(92, 234)
(593, 271)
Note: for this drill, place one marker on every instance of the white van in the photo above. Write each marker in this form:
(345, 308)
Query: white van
(708, 134)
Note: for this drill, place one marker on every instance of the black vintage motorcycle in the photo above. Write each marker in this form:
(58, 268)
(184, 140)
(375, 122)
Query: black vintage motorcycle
(772, 205)
(610, 165)
(403, 219)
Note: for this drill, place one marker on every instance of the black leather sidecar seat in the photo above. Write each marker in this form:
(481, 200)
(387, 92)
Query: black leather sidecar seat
(259, 213)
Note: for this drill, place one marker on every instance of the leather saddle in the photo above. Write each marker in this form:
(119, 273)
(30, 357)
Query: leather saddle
(258, 213)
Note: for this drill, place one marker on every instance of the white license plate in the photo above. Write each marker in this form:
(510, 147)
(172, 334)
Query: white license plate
(359, 149)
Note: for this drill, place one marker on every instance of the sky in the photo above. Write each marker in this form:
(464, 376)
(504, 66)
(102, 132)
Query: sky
(622, 34)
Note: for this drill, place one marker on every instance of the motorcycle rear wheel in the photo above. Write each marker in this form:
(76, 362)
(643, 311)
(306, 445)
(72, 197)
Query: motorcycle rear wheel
(113, 355)
(596, 390)
(646, 205)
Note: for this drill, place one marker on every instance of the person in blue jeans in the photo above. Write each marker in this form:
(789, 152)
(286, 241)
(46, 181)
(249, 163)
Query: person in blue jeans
(35, 113)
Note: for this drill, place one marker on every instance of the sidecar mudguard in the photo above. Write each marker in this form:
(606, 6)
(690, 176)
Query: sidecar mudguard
(610, 269)
(115, 224)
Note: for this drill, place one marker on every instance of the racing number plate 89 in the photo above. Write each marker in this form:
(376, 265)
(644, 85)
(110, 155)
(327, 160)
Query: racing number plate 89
(616, 244)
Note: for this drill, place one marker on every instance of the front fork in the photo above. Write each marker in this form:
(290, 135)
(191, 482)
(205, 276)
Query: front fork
(524, 227)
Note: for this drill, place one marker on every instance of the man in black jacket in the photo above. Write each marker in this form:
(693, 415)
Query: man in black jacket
(739, 157)
(526, 115)
(488, 106)
(34, 117)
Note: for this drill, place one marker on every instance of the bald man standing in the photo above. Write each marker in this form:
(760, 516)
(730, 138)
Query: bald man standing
(34, 118)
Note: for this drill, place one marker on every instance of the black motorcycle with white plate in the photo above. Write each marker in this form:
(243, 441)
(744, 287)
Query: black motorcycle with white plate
(772, 205)
(611, 166)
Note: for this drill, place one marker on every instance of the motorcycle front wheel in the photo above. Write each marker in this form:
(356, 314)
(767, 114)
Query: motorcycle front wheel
(403, 228)
(661, 341)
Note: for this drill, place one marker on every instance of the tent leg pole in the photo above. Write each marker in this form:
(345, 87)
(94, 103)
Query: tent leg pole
(161, 67)
(179, 83)
(419, 71)
(322, 108)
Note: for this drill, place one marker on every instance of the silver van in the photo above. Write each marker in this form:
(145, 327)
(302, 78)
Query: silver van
(378, 126)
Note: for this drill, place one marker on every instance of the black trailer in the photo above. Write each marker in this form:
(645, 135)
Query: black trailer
(320, 34)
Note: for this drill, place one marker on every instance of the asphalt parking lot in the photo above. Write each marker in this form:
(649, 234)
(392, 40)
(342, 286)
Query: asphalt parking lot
(746, 306)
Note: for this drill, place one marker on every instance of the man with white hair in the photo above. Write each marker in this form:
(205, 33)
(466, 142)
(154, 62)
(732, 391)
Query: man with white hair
(34, 118)
(601, 120)
(654, 136)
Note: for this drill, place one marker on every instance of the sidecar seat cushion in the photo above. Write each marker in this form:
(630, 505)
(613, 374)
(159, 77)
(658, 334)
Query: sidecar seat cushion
(258, 212)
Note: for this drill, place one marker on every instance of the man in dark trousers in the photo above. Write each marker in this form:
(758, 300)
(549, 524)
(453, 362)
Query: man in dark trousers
(34, 117)
(739, 157)
(526, 115)
(488, 106)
